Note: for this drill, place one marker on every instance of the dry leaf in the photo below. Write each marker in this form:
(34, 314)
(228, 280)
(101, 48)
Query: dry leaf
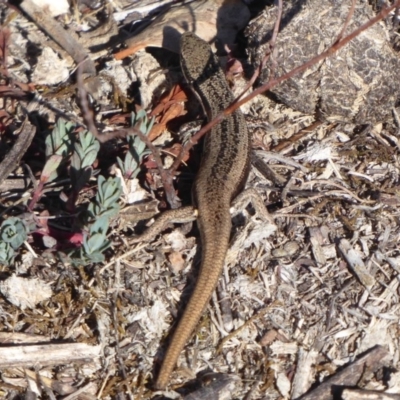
(169, 107)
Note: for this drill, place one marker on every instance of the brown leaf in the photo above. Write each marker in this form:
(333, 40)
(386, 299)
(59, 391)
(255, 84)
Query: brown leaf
(170, 107)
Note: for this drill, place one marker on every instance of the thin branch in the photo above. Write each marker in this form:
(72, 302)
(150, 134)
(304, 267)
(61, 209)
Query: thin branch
(273, 39)
(21, 145)
(347, 22)
(269, 51)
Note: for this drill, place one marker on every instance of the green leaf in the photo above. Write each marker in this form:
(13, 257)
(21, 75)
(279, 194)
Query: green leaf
(121, 165)
(6, 253)
(13, 232)
(100, 183)
(60, 140)
(96, 257)
(95, 242)
(100, 225)
(78, 156)
(89, 157)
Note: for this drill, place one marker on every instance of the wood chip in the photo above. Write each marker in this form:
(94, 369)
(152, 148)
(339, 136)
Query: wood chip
(47, 354)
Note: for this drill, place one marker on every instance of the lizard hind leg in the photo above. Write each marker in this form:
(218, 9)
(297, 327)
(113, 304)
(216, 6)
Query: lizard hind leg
(252, 196)
(179, 215)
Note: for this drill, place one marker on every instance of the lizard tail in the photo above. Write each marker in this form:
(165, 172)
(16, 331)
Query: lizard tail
(214, 248)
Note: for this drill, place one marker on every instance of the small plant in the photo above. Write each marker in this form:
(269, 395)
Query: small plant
(63, 145)
(101, 210)
(85, 153)
(106, 201)
(137, 148)
(58, 146)
(12, 234)
(95, 242)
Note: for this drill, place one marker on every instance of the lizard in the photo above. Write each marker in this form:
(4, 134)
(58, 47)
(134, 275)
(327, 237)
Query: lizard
(222, 175)
(223, 172)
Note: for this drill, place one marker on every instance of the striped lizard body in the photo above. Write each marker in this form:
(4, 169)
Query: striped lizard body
(223, 171)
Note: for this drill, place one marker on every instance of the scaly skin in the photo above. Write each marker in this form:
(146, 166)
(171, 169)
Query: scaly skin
(222, 174)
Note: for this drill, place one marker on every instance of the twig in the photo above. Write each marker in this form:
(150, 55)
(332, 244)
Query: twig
(273, 40)
(253, 318)
(87, 111)
(347, 22)
(349, 375)
(269, 51)
(287, 145)
(329, 182)
(13, 157)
